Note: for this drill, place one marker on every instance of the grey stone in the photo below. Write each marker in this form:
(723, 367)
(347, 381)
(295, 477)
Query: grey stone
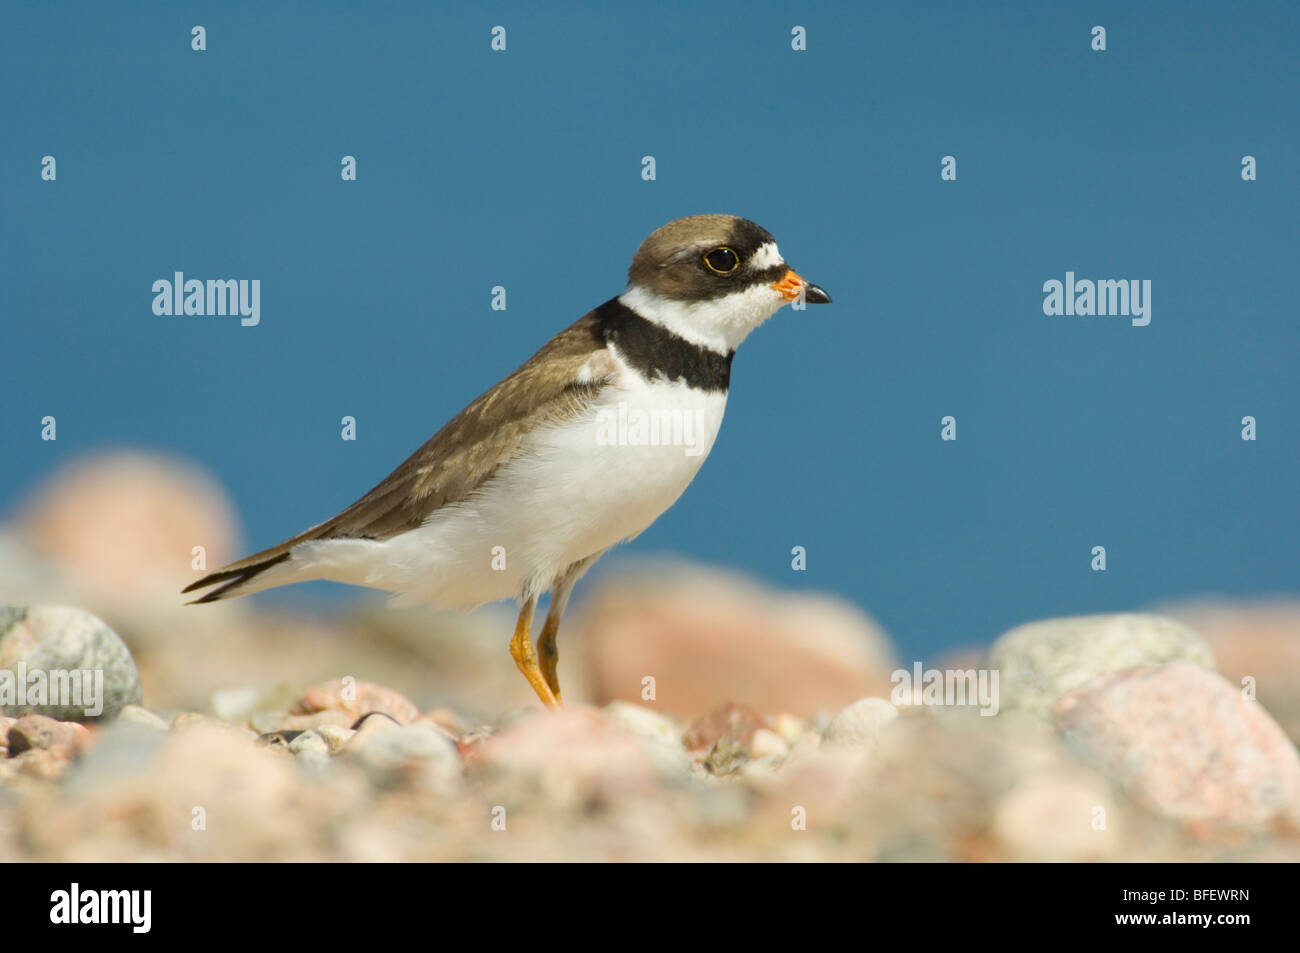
(1040, 662)
(309, 741)
(311, 749)
(58, 639)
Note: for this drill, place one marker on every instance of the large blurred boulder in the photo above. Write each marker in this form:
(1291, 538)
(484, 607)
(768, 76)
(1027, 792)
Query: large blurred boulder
(708, 637)
(125, 525)
(1256, 644)
(1041, 661)
(1184, 742)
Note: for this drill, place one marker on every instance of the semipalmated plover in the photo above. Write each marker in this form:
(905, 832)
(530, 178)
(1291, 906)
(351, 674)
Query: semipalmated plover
(582, 447)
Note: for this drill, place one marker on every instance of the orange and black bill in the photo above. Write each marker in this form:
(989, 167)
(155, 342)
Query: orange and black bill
(792, 288)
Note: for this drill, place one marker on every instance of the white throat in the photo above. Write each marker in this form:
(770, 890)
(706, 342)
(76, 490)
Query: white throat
(720, 324)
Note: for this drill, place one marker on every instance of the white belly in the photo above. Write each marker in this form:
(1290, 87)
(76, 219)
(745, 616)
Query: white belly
(581, 487)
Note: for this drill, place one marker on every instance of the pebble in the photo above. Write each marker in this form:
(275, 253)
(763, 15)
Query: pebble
(62, 639)
(135, 714)
(66, 739)
(310, 747)
(728, 720)
(861, 722)
(768, 744)
(644, 722)
(1039, 662)
(335, 736)
(789, 727)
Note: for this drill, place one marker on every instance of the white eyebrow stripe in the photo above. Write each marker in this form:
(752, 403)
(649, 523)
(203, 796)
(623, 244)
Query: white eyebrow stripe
(766, 257)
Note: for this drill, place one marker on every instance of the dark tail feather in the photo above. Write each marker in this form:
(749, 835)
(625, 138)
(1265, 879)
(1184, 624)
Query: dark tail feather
(233, 579)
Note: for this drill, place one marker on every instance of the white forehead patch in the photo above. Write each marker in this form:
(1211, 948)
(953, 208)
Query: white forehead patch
(767, 256)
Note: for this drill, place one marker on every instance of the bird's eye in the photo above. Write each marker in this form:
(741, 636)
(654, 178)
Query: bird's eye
(722, 261)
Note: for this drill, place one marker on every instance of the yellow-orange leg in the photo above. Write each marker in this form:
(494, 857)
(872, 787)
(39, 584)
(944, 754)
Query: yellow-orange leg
(546, 645)
(547, 649)
(521, 649)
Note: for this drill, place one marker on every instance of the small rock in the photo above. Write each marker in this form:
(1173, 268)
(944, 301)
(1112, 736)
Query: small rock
(87, 671)
(1184, 742)
(1042, 661)
(767, 744)
(789, 727)
(136, 715)
(309, 741)
(335, 736)
(861, 722)
(310, 747)
(726, 721)
(369, 730)
(65, 739)
(644, 722)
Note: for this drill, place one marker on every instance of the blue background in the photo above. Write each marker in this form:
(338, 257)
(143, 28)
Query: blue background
(523, 169)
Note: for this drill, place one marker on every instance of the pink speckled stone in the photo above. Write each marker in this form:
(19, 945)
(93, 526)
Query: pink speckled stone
(1183, 741)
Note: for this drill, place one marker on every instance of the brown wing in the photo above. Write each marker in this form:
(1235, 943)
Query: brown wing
(461, 456)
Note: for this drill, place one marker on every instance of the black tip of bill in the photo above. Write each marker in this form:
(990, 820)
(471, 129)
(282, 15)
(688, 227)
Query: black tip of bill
(814, 295)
